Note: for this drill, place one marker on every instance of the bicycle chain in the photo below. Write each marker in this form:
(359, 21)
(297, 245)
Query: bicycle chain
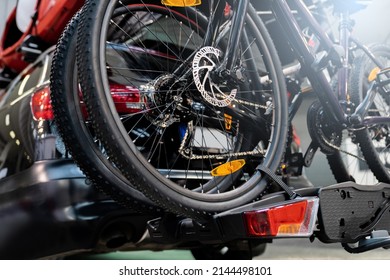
(190, 156)
(185, 153)
(341, 150)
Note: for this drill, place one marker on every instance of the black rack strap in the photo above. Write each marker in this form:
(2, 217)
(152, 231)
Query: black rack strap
(291, 193)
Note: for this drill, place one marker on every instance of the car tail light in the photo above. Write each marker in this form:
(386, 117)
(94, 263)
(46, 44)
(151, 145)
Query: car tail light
(295, 218)
(83, 107)
(127, 99)
(41, 105)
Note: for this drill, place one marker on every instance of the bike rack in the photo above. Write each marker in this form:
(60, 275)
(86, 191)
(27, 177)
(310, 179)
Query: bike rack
(356, 216)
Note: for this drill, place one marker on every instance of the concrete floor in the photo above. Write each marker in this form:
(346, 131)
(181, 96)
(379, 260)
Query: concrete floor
(281, 249)
(303, 249)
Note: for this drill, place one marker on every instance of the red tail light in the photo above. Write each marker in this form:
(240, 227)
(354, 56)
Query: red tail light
(291, 219)
(227, 11)
(41, 105)
(127, 99)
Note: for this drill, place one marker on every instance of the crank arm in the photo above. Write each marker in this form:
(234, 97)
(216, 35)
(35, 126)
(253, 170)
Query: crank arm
(309, 155)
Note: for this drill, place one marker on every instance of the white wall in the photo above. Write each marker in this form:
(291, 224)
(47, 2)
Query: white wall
(372, 23)
(5, 7)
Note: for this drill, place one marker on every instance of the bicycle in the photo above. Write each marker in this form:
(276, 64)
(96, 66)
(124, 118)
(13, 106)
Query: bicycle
(221, 75)
(24, 40)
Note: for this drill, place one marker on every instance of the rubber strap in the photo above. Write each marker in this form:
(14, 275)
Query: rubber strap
(291, 193)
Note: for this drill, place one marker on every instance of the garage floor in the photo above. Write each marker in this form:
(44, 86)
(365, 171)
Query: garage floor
(283, 249)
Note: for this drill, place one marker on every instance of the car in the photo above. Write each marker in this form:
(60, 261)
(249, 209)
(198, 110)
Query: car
(48, 207)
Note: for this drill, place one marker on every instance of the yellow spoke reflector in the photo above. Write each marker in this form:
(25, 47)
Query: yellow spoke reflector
(228, 168)
(374, 72)
(181, 3)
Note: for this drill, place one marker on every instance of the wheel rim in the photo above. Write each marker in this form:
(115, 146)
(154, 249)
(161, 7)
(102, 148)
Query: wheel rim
(170, 121)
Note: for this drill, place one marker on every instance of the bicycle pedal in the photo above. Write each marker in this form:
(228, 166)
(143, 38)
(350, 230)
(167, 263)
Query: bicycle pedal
(383, 79)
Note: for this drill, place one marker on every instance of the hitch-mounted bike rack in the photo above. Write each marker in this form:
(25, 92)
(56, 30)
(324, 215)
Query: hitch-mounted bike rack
(354, 215)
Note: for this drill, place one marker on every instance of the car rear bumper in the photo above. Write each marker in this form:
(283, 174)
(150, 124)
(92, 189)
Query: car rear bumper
(51, 209)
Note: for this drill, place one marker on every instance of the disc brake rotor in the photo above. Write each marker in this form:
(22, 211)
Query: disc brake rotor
(214, 92)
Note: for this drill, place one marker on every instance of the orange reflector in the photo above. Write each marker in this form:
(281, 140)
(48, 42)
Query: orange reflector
(228, 168)
(291, 219)
(374, 72)
(181, 3)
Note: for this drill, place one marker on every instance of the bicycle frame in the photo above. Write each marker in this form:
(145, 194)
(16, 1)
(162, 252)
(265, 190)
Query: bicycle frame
(333, 103)
(235, 35)
(47, 24)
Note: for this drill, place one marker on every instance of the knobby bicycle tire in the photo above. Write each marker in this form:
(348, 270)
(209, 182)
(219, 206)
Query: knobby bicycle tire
(159, 149)
(77, 134)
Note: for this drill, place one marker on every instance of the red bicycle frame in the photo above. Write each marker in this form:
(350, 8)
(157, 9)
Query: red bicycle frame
(47, 23)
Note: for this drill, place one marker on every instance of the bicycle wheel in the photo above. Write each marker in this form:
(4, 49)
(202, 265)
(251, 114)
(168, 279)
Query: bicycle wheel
(75, 129)
(374, 140)
(194, 139)
(347, 162)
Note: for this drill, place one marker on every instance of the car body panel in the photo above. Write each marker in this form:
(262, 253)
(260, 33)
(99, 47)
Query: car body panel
(48, 208)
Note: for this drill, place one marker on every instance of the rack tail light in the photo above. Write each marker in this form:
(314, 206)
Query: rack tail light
(292, 219)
